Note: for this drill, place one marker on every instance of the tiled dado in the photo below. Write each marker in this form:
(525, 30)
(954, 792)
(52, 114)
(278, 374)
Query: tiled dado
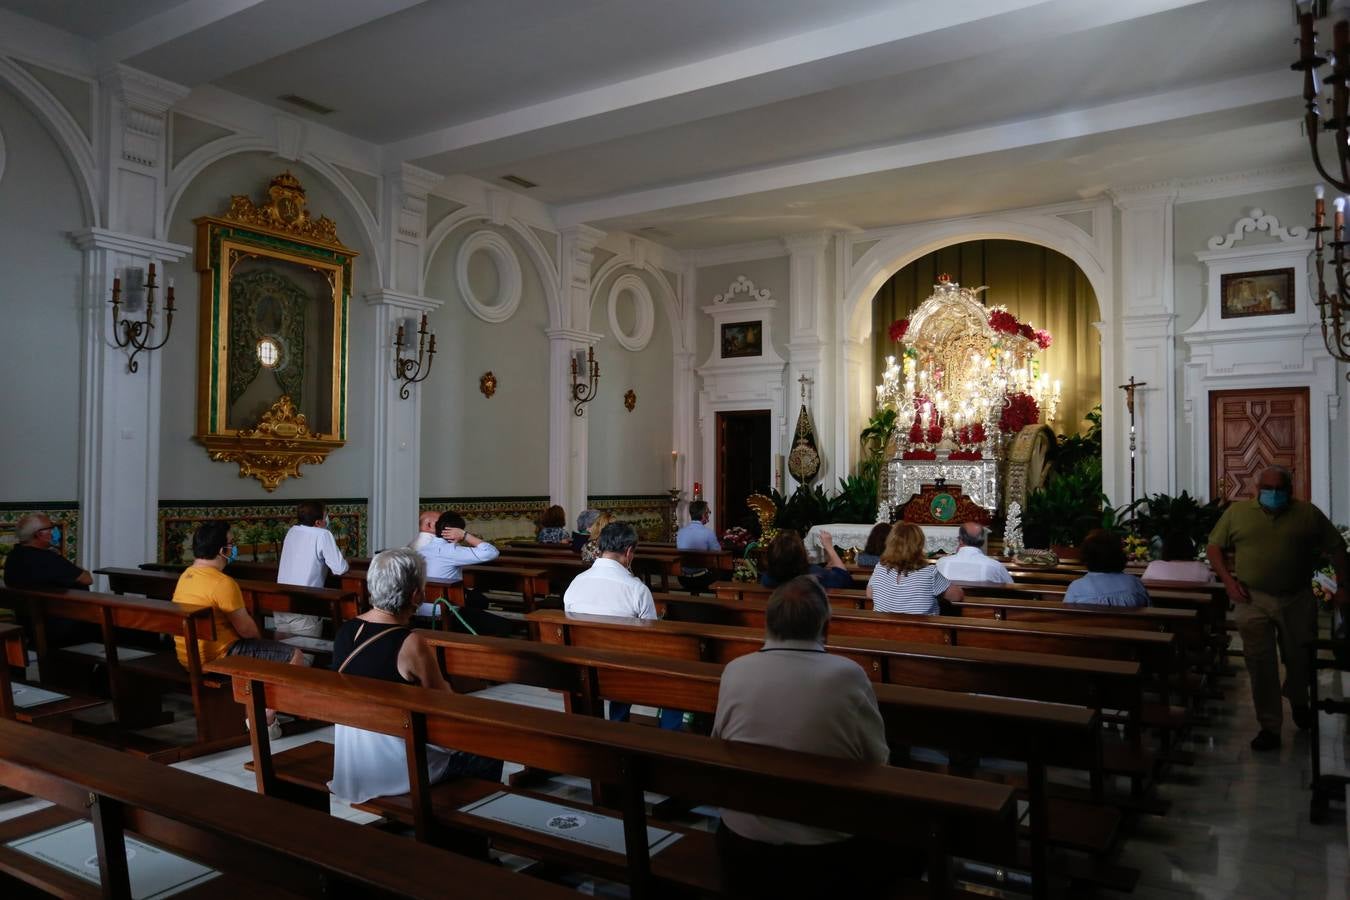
(516, 518)
(64, 514)
(259, 528)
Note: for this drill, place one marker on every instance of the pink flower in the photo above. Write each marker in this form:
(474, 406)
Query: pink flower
(1043, 338)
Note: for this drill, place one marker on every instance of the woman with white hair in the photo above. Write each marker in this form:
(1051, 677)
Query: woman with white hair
(380, 644)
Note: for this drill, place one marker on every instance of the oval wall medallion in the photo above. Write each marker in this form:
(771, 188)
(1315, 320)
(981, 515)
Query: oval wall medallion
(644, 311)
(503, 256)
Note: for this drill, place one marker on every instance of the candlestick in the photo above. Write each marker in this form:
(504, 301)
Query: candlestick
(675, 467)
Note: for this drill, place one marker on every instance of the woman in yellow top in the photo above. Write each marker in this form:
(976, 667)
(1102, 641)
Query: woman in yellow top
(204, 583)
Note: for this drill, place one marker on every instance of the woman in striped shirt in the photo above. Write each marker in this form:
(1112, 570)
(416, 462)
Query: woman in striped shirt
(904, 581)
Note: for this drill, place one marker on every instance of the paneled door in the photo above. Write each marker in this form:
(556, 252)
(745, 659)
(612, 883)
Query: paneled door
(742, 464)
(1252, 429)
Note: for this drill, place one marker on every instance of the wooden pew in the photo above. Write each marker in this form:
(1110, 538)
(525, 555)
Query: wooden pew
(262, 846)
(354, 581)
(54, 715)
(530, 582)
(135, 683)
(560, 570)
(941, 813)
(1036, 734)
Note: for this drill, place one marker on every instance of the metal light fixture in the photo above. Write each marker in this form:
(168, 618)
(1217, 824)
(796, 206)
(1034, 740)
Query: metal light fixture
(1333, 307)
(410, 370)
(583, 392)
(137, 334)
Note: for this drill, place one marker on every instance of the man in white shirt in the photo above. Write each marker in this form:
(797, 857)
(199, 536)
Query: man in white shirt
(308, 554)
(697, 536)
(609, 588)
(969, 562)
(426, 530)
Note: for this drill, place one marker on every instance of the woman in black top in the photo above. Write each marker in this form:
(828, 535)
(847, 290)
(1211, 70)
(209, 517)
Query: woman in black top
(380, 644)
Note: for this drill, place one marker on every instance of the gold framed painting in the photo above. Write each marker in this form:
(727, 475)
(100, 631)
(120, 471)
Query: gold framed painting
(275, 292)
(1268, 293)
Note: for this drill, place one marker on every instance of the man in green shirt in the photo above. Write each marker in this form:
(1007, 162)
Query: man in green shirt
(1278, 543)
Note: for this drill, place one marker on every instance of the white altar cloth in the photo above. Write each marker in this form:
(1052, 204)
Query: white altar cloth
(845, 534)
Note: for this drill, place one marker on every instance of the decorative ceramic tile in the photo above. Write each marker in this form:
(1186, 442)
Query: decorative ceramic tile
(259, 528)
(648, 513)
(494, 518)
(62, 513)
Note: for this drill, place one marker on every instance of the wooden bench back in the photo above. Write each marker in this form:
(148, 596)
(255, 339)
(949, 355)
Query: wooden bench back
(115, 611)
(893, 805)
(269, 843)
(260, 597)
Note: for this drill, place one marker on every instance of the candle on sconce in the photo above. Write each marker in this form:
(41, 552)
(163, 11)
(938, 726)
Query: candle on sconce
(1338, 220)
(1320, 205)
(675, 468)
(398, 338)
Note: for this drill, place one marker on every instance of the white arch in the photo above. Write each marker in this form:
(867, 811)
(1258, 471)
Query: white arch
(669, 302)
(74, 144)
(186, 172)
(539, 255)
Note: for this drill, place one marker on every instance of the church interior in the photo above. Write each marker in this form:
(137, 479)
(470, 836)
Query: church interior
(776, 266)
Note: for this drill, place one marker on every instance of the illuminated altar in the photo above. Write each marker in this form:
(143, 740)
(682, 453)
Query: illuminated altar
(971, 403)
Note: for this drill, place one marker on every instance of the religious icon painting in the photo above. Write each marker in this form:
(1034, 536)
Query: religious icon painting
(742, 339)
(1268, 293)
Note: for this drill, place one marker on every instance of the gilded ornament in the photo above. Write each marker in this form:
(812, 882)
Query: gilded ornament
(629, 399)
(275, 448)
(285, 211)
(487, 384)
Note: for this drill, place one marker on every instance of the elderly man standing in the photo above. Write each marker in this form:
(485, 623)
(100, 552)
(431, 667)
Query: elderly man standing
(1277, 543)
(794, 695)
(969, 562)
(609, 588)
(308, 554)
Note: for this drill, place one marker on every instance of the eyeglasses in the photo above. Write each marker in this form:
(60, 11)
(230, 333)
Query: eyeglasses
(48, 528)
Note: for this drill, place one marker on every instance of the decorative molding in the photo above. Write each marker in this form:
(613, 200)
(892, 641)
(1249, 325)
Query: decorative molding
(1250, 181)
(141, 90)
(129, 244)
(743, 285)
(643, 306)
(1257, 220)
(509, 278)
(747, 252)
(400, 300)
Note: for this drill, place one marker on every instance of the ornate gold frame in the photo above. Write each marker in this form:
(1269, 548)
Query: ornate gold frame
(280, 229)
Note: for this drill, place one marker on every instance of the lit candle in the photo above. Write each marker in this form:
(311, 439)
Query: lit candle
(1338, 221)
(675, 468)
(1320, 206)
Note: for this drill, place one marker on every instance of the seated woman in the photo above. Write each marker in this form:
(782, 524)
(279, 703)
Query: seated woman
(582, 536)
(1105, 583)
(1178, 561)
(592, 547)
(876, 542)
(786, 559)
(553, 527)
(905, 581)
(379, 644)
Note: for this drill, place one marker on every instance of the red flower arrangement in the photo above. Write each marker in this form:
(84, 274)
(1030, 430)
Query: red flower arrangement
(971, 434)
(935, 431)
(1043, 338)
(1020, 412)
(916, 432)
(1026, 331)
(898, 329)
(918, 454)
(1003, 321)
(965, 454)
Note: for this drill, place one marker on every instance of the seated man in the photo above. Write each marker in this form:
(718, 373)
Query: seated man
(697, 536)
(609, 588)
(380, 644)
(204, 583)
(35, 561)
(794, 695)
(308, 554)
(426, 530)
(1106, 582)
(969, 562)
(448, 550)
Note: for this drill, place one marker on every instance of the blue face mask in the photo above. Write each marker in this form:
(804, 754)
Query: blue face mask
(234, 553)
(1273, 499)
(56, 536)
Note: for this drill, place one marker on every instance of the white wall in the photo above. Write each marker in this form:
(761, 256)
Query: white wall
(40, 293)
(186, 473)
(629, 452)
(473, 446)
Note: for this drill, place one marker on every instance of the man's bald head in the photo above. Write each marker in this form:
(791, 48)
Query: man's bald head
(426, 522)
(972, 535)
(1276, 478)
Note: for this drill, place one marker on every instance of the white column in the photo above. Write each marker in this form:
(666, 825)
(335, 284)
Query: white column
(397, 476)
(566, 430)
(120, 409)
(1148, 341)
(809, 349)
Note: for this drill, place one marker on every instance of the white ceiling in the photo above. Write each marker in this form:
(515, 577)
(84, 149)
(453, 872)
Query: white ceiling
(716, 121)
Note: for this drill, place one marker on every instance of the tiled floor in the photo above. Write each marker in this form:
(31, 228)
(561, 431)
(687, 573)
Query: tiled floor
(1238, 826)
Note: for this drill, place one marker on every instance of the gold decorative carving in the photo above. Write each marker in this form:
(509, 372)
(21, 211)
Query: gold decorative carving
(285, 211)
(275, 448)
(629, 399)
(487, 384)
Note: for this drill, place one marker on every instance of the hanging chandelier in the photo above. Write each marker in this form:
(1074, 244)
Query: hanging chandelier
(1333, 306)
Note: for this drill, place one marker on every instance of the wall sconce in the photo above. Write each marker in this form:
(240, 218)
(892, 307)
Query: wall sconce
(583, 392)
(411, 370)
(138, 334)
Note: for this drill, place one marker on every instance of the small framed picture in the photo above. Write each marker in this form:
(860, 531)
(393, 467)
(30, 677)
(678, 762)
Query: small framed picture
(742, 339)
(1268, 293)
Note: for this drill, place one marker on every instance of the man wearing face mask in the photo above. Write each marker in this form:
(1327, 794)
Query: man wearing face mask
(204, 583)
(1277, 543)
(36, 562)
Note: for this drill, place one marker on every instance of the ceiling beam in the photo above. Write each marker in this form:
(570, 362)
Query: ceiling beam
(918, 35)
(200, 41)
(1169, 106)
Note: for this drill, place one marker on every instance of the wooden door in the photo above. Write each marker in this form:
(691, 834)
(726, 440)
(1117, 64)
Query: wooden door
(1252, 429)
(742, 464)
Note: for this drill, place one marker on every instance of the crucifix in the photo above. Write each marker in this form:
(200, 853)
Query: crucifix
(804, 381)
(1129, 390)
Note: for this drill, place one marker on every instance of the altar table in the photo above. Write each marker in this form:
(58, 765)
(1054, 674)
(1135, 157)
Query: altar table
(846, 534)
